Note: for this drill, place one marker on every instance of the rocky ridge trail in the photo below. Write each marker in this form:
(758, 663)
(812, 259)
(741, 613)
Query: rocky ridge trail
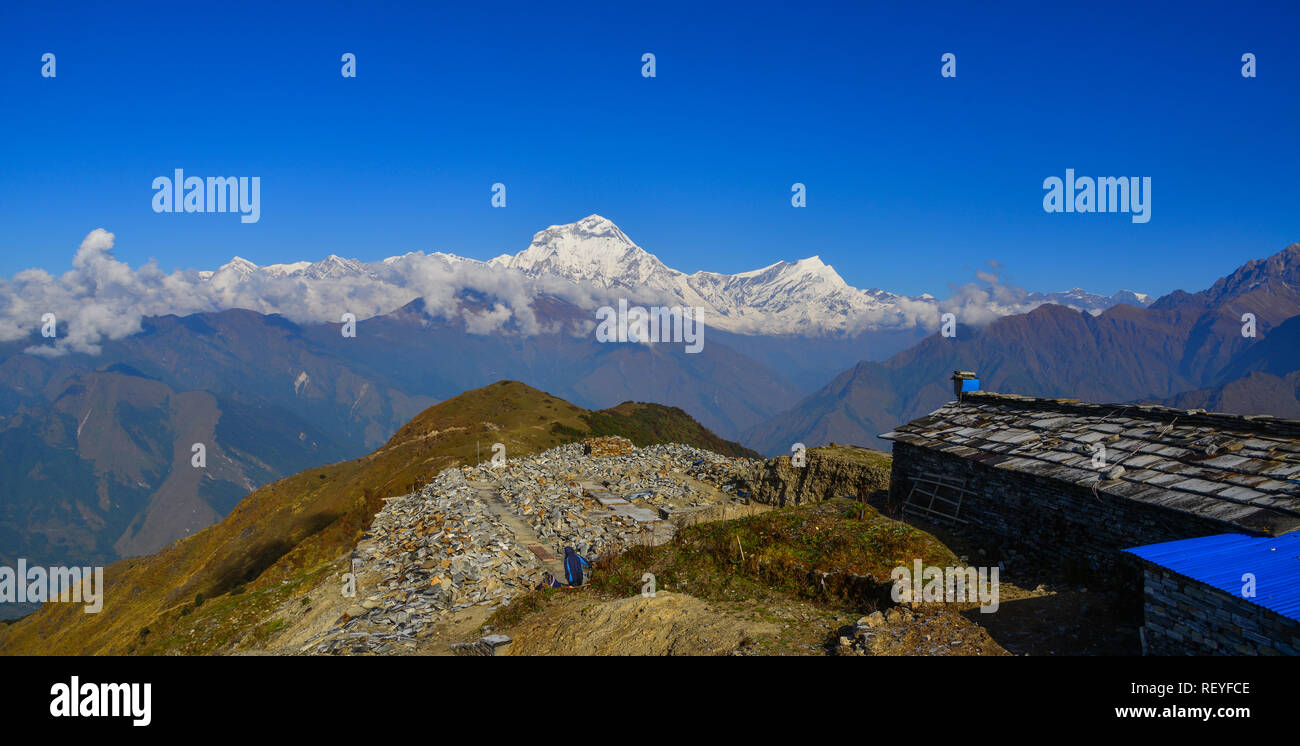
(477, 537)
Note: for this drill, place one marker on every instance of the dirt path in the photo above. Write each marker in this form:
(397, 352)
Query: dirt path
(668, 624)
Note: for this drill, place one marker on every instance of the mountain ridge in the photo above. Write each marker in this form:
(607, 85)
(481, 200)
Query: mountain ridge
(295, 532)
(803, 297)
(1182, 344)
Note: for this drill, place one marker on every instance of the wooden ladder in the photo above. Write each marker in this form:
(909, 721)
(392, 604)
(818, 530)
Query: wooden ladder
(933, 502)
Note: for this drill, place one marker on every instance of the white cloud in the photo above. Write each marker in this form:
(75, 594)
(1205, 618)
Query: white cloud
(102, 298)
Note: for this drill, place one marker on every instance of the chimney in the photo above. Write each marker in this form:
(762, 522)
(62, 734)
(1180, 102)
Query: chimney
(964, 381)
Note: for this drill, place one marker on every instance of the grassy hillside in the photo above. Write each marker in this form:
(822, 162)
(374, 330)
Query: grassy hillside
(296, 532)
(644, 423)
(809, 550)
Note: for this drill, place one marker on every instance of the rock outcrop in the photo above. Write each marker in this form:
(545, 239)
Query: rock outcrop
(834, 471)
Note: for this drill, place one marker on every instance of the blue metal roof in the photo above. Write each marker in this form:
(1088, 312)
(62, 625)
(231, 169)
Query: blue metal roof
(1220, 561)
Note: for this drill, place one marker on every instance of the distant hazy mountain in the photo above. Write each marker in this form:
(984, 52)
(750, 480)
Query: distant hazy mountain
(422, 351)
(1082, 300)
(1263, 379)
(95, 451)
(1254, 393)
(1181, 343)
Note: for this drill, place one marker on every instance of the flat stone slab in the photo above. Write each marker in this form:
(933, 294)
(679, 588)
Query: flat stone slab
(640, 515)
(541, 552)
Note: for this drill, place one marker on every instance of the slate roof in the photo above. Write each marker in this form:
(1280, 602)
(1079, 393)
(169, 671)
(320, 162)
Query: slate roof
(1243, 470)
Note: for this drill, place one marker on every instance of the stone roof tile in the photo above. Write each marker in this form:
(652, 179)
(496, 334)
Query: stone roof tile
(1238, 469)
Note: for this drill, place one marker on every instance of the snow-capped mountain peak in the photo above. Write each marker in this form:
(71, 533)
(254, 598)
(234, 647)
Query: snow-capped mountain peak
(591, 250)
(240, 265)
(809, 271)
(333, 267)
(1083, 300)
(802, 297)
(285, 270)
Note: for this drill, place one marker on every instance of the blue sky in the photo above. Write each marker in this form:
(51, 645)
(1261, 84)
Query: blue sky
(913, 180)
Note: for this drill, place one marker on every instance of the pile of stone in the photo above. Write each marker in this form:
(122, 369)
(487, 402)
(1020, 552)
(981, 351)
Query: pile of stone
(865, 635)
(719, 470)
(446, 548)
(603, 447)
(434, 551)
(603, 504)
(442, 540)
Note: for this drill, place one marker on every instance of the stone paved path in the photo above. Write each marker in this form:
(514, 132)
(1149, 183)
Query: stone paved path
(523, 533)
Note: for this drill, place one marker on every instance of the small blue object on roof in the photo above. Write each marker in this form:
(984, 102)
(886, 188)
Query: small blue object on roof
(1221, 561)
(964, 381)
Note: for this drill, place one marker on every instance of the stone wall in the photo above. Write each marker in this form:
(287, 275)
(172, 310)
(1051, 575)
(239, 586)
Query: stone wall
(1050, 521)
(1186, 617)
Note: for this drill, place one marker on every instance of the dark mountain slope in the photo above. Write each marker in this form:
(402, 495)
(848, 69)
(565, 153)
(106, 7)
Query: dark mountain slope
(1182, 342)
(97, 456)
(268, 398)
(725, 390)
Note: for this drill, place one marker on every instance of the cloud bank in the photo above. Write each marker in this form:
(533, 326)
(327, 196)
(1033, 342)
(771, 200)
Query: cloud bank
(103, 299)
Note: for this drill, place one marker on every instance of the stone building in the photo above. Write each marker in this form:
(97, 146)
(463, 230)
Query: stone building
(1075, 483)
(1229, 594)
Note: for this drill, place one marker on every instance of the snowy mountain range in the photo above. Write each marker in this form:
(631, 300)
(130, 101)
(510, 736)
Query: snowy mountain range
(600, 263)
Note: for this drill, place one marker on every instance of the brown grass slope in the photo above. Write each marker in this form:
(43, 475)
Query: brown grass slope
(286, 534)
